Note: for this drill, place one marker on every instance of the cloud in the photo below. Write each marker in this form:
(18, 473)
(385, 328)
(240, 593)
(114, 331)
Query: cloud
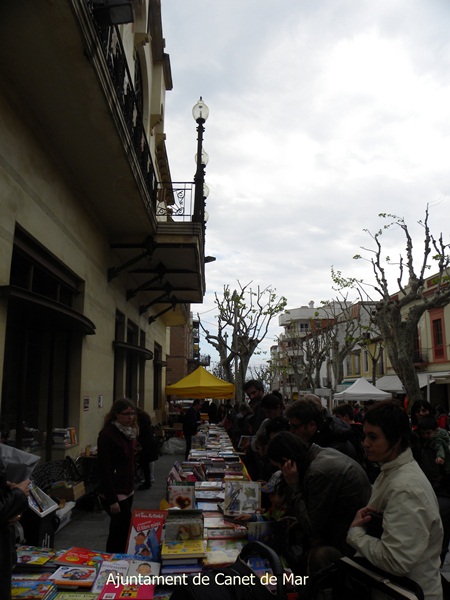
(322, 115)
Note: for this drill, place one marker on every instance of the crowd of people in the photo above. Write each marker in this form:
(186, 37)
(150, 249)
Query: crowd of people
(368, 481)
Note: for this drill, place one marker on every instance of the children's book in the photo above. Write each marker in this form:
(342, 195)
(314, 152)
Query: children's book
(236, 532)
(181, 494)
(76, 596)
(209, 495)
(144, 538)
(82, 557)
(108, 569)
(33, 590)
(183, 549)
(74, 576)
(184, 525)
(241, 497)
(142, 568)
(34, 576)
(118, 592)
(34, 555)
(222, 552)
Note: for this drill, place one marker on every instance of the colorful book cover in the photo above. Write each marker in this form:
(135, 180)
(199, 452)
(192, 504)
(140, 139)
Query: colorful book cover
(181, 495)
(33, 590)
(209, 495)
(236, 532)
(142, 568)
(76, 576)
(108, 569)
(35, 576)
(34, 555)
(76, 596)
(222, 552)
(144, 539)
(241, 497)
(184, 525)
(77, 556)
(117, 592)
(183, 549)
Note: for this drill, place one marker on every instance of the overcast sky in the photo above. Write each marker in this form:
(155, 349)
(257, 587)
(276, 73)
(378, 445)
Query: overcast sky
(323, 114)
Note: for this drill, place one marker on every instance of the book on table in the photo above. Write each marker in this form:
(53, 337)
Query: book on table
(34, 555)
(109, 570)
(129, 571)
(184, 525)
(74, 576)
(241, 497)
(83, 557)
(222, 552)
(176, 550)
(122, 591)
(37, 590)
(181, 494)
(63, 595)
(144, 538)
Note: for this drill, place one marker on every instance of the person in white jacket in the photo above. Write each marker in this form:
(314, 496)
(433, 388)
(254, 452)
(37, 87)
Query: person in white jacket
(409, 541)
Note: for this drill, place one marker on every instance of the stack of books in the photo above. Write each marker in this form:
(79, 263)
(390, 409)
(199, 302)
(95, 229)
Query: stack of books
(64, 436)
(182, 556)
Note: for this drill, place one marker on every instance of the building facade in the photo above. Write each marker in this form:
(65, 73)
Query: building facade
(94, 268)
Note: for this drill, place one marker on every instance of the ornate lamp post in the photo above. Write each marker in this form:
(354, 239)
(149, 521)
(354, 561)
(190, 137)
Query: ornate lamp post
(200, 113)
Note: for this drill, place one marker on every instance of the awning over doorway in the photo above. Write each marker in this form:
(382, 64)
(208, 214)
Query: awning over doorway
(391, 383)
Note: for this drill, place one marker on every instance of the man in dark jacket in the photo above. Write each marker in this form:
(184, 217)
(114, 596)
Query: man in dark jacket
(190, 424)
(313, 424)
(324, 486)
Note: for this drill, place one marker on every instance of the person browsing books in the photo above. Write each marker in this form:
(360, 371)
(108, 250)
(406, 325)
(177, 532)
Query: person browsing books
(13, 501)
(408, 539)
(116, 461)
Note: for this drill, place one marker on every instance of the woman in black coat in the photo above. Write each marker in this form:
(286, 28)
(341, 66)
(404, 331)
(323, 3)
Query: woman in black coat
(13, 501)
(116, 467)
(148, 452)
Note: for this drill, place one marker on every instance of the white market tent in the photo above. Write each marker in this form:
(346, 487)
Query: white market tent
(362, 390)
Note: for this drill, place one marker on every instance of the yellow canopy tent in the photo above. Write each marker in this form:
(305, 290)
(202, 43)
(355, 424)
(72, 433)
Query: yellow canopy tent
(201, 384)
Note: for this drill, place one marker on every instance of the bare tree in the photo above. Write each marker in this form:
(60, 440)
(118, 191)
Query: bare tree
(397, 313)
(242, 324)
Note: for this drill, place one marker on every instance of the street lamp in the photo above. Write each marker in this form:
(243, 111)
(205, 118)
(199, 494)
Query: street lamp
(200, 113)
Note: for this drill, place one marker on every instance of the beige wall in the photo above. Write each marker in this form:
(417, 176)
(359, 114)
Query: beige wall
(39, 194)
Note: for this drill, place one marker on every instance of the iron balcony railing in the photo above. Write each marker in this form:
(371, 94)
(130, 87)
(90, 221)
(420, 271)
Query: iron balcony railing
(176, 200)
(115, 57)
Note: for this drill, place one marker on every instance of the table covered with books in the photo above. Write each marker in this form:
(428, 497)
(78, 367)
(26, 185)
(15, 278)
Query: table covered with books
(195, 530)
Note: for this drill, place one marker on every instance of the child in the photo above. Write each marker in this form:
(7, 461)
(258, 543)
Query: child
(435, 454)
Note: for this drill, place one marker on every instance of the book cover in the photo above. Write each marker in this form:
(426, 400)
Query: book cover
(241, 497)
(142, 568)
(77, 556)
(222, 552)
(76, 576)
(34, 555)
(117, 592)
(33, 590)
(181, 495)
(183, 549)
(109, 568)
(35, 576)
(146, 528)
(236, 532)
(209, 495)
(76, 596)
(184, 525)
